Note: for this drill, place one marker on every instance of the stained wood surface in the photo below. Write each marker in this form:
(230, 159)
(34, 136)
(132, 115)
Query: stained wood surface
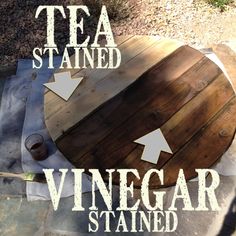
(160, 84)
(101, 85)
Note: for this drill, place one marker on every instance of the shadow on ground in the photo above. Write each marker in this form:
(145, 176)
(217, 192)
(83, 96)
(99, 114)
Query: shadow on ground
(229, 224)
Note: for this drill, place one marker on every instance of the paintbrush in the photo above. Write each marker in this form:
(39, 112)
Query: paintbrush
(31, 177)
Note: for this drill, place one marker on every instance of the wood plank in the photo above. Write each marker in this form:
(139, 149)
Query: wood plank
(166, 103)
(93, 129)
(206, 147)
(193, 115)
(49, 95)
(107, 88)
(129, 49)
(182, 126)
(153, 115)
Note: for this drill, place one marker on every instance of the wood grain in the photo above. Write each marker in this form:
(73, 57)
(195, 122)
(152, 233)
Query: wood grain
(54, 100)
(206, 147)
(129, 102)
(153, 115)
(58, 117)
(159, 85)
(182, 126)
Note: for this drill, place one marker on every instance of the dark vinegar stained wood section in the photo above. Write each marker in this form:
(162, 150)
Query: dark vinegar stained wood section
(184, 94)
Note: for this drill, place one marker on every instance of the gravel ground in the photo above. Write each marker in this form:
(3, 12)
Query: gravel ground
(193, 22)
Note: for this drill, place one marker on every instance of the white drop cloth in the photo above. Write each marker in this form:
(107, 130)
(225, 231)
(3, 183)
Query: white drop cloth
(34, 123)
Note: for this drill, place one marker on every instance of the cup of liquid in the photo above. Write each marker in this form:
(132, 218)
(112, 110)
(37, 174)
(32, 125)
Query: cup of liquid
(36, 146)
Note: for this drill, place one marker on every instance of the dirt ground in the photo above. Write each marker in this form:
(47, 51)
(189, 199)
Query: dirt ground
(193, 22)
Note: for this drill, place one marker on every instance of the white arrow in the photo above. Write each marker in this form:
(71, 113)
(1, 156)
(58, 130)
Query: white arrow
(64, 85)
(154, 143)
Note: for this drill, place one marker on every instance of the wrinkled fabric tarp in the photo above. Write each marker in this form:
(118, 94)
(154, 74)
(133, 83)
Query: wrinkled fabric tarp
(12, 114)
(26, 89)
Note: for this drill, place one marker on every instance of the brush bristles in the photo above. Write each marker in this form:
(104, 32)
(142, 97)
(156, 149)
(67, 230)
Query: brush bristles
(35, 177)
(40, 178)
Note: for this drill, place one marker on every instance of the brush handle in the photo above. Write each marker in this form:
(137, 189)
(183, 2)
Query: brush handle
(12, 175)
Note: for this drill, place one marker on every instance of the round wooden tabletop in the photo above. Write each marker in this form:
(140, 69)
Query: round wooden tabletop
(160, 84)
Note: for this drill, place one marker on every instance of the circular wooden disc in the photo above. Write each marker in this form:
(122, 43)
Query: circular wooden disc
(160, 85)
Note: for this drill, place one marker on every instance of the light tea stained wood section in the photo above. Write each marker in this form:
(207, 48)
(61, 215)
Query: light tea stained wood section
(99, 85)
(163, 85)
